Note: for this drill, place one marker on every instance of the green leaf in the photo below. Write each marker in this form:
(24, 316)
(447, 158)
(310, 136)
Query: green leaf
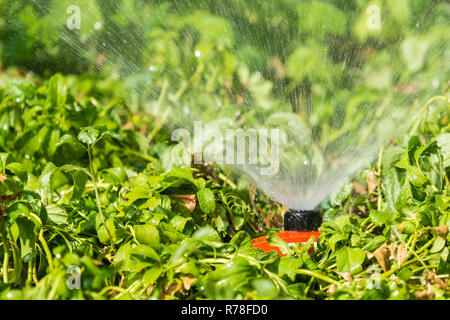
(265, 289)
(206, 200)
(17, 210)
(67, 138)
(438, 245)
(183, 173)
(145, 251)
(138, 192)
(405, 273)
(17, 262)
(89, 135)
(443, 142)
(27, 238)
(206, 233)
(57, 215)
(375, 243)
(350, 259)
(380, 218)
(80, 177)
(415, 176)
(179, 222)
(5, 159)
(220, 219)
(241, 240)
(111, 134)
(334, 239)
(276, 241)
(151, 275)
(115, 175)
(123, 254)
(393, 188)
(147, 234)
(18, 170)
(56, 92)
(103, 234)
(46, 181)
(289, 266)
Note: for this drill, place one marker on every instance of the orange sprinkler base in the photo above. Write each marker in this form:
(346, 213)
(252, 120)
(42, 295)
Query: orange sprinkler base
(288, 236)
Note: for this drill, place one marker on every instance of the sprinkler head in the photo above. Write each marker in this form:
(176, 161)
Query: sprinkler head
(299, 227)
(302, 220)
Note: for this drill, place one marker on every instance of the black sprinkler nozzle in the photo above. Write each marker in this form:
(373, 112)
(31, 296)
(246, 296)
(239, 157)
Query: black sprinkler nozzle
(302, 220)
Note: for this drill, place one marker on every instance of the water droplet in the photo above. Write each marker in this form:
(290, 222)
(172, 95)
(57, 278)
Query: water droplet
(98, 25)
(198, 53)
(435, 83)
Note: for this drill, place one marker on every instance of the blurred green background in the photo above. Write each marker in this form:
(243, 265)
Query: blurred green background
(300, 48)
(331, 74)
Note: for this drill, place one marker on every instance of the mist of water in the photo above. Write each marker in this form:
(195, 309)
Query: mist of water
(339, 79)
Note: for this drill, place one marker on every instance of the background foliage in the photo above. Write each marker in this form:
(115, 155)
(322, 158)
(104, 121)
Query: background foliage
(85, 181)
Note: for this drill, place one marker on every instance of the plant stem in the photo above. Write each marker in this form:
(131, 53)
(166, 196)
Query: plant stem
(97, 198)
(227, 180)
(34, 272)
(141, 155)
(5, 252)
(422, 267)
(5, 262)
(425, 246)
(317, 275)
(394, 269)
(46, 249)
(380, 157)
(409, 250)
(30, 271)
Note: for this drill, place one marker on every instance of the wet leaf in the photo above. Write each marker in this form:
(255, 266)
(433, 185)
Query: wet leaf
(206, 233)
(27, 239)
(147, 234)
(350, 259)
(206, 200)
